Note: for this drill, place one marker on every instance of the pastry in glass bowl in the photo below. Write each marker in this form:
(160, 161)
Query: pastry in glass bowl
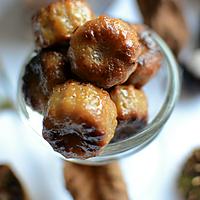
(104, 51)
(132, 110)
(42, 73)
(56, 23)
(149, 60)
(80, 120)
(85, 110)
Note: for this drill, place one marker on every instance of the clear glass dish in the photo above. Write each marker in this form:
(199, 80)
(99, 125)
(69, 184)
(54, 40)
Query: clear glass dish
(162, 92)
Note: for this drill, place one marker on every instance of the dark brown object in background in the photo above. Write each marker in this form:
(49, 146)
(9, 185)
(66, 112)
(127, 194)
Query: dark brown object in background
(104, 51)
(166, 18)
(149, 60)
(132, 110)
(55, 23)
(44, 71)
(80, 120)
(95, 182)
(189, 181)
(10, 186)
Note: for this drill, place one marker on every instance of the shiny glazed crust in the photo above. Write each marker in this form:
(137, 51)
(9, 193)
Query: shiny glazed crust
(104, 51)
(132, 110)
(80, 120)
(149, 60)
(42, 74)
(56, 23)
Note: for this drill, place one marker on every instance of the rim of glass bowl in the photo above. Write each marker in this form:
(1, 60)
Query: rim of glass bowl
(135, 143)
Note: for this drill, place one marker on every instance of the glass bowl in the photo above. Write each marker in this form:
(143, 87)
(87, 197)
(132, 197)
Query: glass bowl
(162, 92)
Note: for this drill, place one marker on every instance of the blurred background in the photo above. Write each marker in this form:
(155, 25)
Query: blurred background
(150, 174)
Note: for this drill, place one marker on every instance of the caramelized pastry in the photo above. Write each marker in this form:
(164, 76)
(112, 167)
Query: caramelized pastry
(42, 74)
(10, 186)
(82, 182)
(149, 60)
(132, 110)
(104, 51)
(80, 120)
(166, 17)
(56, 23)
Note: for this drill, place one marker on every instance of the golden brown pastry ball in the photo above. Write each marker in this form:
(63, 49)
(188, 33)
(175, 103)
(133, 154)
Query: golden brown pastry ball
(56, 23)
(149, 60)
(42, 74)
(132, 110)
(104, 51)
(80, 120)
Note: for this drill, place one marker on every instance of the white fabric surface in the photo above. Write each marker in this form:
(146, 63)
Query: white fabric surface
(150, 174)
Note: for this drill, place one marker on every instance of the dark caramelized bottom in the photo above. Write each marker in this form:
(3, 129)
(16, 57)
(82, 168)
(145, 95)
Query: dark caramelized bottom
(73, 140)
(126, 129)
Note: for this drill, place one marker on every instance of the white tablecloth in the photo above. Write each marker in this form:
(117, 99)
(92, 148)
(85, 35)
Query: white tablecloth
(150, 174)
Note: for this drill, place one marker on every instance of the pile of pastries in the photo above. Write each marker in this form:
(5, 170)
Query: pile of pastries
(86, 76)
